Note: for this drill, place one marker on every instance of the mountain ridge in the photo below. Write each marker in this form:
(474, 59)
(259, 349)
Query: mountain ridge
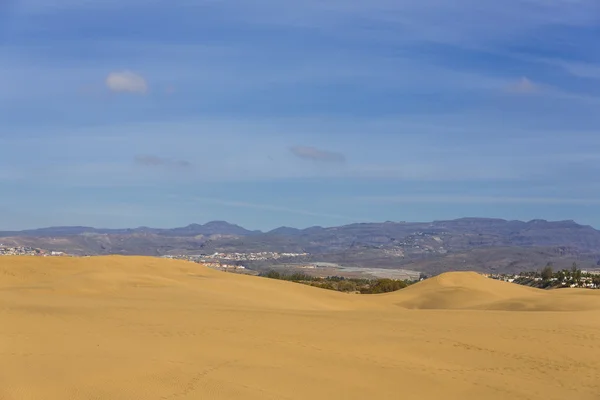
(221, 227)
(224, 227)
(483, 244)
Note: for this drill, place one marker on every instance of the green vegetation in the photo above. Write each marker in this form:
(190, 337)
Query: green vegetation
(547, 272)
(342, 284)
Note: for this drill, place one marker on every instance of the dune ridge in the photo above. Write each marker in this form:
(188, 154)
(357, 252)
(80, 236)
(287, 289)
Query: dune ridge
(137, 327)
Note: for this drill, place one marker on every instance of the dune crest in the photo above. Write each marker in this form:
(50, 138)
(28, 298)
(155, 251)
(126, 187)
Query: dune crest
(138, 327)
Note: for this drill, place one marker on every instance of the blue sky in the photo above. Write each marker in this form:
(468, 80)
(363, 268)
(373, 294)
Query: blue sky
(320, 112)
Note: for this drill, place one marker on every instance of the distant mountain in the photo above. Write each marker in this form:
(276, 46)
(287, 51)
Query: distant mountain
(53, 231)
(285, 230)
(466, 243)
(210, 228)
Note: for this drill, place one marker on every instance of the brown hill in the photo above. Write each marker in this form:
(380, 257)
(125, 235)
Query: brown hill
(135, 327)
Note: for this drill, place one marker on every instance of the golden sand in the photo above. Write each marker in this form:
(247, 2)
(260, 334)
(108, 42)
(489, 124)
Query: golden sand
(144, 328)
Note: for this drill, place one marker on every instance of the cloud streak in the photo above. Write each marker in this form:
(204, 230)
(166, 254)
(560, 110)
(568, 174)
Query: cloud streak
(149, 160)
(488, 200)
(315, 154)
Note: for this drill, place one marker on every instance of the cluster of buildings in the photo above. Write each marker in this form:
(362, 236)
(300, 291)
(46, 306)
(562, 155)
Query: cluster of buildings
(587, 280)
(260, 256)
(27, 251)
(214, 264)
(19, 251)
(236, 258)
(233, 261)
(226, 267)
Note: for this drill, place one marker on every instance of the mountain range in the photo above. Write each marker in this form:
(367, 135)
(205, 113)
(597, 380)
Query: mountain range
(468, 243)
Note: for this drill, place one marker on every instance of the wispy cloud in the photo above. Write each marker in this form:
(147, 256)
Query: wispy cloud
(459, 22)
(580, 69)
(457, 199)
(127, 82)
(314, 154)
(156, 161)
(524, 86)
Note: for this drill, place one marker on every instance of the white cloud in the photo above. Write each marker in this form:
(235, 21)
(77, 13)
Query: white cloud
(126, 81)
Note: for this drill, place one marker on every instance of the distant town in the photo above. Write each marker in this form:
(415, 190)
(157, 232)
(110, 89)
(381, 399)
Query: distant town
(549, 279)
(232, 261)
(237, 257)
(27, 251)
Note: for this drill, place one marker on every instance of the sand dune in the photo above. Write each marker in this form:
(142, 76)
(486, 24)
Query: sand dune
(145, 328)
(459, 290)
(470, 290)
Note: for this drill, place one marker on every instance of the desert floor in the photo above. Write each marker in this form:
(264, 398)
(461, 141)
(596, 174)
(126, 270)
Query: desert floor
(144, 328)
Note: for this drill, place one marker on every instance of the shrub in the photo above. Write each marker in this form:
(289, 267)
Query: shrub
(272, 274)
(384, 286)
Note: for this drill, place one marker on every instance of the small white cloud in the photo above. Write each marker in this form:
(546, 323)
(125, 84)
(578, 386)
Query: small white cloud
(126, 81)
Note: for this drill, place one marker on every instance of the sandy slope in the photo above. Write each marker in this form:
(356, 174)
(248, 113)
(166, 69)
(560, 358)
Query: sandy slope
(143, 328)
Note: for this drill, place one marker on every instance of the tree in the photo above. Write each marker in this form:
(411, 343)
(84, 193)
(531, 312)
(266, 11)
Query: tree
(547, 272)
(346, 286)
(576, 272)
